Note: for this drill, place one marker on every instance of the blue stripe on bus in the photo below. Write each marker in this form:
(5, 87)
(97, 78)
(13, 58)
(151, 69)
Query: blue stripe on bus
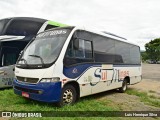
(76, 71)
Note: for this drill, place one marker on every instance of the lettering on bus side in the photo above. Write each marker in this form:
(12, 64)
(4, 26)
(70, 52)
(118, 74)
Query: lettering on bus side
(7, 81)
(123, 74)
(101, 74)
(119, 75)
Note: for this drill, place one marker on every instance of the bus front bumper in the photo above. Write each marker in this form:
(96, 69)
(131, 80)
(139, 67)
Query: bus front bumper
(45, 92)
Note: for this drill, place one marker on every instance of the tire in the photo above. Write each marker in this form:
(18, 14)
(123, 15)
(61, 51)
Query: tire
(124, 86)
(68, 96)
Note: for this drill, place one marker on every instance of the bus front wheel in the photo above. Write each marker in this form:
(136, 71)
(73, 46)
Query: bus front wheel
(68, 96)
(124, 86)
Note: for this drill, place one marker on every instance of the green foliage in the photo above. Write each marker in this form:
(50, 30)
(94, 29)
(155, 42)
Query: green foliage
(144, 56)
(12, 102)
(153, 49)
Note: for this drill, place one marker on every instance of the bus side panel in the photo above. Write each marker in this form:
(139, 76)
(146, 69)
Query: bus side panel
(132, 71)
(101, 79)
(85, 89)
(135, 74)
(6, 76)
(94, 79)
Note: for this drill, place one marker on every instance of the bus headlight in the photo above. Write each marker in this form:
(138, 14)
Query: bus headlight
(55, 79)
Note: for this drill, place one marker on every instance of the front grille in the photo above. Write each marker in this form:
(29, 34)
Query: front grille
(28, 80)
(27, 90)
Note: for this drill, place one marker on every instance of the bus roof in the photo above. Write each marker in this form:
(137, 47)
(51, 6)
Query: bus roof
(27, 18)
(107, 34)
(40, 20)
(25, 26)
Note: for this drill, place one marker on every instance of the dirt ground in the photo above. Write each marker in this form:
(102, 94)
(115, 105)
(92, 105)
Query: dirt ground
(150, 84)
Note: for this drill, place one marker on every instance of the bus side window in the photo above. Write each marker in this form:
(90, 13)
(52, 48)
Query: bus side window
(78, 51)
(69, 52)
(84, 50)
(9, 56)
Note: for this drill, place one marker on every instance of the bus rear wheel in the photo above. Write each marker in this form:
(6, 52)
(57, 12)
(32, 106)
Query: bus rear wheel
(68, 96)
(124, 86)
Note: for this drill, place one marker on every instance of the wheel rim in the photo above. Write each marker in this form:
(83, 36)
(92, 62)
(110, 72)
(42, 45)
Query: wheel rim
(68, 96)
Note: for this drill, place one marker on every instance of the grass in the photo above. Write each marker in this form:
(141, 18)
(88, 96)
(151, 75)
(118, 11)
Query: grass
(11, 102)
(144, 97)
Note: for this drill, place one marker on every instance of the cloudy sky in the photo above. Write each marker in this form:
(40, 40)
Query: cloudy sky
(136, 20)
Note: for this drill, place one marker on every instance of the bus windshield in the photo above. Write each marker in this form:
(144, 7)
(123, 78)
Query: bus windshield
(44, 50)
(3, 22)
(23, 28)
(19, 27)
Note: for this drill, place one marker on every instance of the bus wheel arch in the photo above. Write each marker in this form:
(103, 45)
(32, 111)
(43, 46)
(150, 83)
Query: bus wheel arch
(69, 95)
(76, 86)
(127, 78)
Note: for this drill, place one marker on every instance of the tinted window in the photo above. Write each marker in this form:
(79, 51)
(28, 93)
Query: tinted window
(49, 27)
(108, 50)
(104, 50)
(123, 49)
(134, 54)
(83, 52)
(85, 49)
(2, 24)
(80, 49)
(10, 51)
(9, 56)
(23, 28)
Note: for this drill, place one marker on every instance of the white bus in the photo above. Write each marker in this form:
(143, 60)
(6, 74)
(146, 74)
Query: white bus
(63, 64)
(15, 33)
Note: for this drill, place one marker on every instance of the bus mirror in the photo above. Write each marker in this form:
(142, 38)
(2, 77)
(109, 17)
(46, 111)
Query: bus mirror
(76, 43)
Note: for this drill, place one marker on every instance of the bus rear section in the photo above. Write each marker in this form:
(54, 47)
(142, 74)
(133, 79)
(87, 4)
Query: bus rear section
(15, 34)
(63, 64)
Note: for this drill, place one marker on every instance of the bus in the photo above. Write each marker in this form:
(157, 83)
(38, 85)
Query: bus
(15, 33)
(63, 64)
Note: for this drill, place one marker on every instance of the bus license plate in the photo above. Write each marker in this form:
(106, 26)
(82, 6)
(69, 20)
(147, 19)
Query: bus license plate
(24, 94)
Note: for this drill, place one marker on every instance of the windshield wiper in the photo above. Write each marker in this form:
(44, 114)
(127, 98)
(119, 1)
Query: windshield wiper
(37, 56)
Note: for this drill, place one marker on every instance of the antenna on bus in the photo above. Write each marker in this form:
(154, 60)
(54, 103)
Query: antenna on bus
(114, 35)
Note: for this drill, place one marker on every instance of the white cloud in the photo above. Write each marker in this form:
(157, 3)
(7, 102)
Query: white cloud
(137, 20)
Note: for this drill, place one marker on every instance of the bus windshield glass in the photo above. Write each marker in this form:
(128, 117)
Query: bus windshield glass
(3, 22)
(45, 49)
(23, 28)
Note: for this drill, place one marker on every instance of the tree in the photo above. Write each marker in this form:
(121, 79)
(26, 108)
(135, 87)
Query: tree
(144, 56)
(153, 49)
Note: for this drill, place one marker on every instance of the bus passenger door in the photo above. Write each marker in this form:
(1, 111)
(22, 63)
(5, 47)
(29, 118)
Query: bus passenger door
(9, 56)
(79, 57)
